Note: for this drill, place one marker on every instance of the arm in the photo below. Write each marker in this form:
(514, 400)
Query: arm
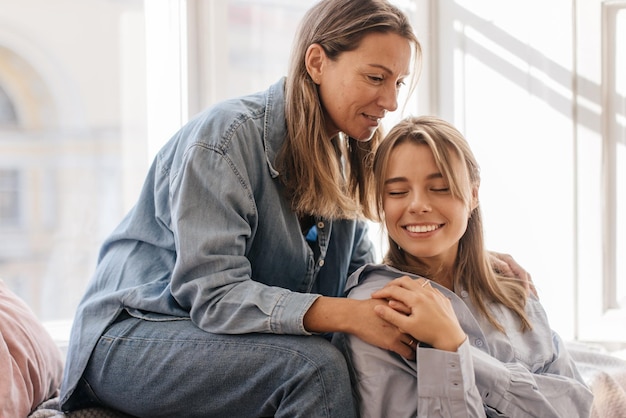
(213, 218)
(440, 382)
(556, 389)
(216, 223)
(507, 266)
(356, 317)
(508, 388)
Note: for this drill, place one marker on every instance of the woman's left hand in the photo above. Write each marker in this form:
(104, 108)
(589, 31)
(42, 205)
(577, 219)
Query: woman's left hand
(507, 266)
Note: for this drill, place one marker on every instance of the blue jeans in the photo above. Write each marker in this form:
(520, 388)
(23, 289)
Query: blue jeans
(174, 369)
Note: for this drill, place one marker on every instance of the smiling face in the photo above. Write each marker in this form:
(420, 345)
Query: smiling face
(360, 86)
(421, 214)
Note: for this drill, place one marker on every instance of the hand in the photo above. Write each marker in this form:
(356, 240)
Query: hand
(430, 317)
(375, 330)
(507, 266)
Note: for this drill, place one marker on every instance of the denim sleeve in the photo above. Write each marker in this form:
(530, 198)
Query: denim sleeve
(511, 390)
(213, 217)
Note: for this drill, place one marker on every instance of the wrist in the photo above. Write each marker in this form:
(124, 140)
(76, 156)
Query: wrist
(451, 344)
(328, 314)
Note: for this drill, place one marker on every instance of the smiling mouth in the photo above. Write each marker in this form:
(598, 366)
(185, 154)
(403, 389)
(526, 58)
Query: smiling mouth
(422, 228)
(373, 118)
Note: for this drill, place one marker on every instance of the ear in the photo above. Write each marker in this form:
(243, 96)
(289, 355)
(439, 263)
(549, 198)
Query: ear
(474, 202)
(314, 61)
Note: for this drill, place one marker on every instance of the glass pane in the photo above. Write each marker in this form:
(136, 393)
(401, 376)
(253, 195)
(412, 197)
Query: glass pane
(620, 130)
(68, 144)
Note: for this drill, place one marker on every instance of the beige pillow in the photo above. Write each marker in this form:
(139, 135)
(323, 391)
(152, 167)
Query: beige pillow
(31, 365)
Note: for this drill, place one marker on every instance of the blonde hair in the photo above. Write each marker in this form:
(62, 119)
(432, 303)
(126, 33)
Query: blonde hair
(324, 177)
(472, 266)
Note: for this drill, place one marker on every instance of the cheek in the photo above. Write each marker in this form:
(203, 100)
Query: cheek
(392, 212)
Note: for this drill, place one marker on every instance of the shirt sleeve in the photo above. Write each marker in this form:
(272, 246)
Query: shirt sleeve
(511, 390)
(211, 220)
(446, 385)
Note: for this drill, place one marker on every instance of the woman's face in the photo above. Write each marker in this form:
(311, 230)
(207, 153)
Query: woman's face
(360, 86)
(421, 214)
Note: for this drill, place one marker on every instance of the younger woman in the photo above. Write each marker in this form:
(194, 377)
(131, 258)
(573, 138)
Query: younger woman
(483, 348)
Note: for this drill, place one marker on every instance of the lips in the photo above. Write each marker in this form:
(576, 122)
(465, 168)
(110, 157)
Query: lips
(422, 228)
(374, 118)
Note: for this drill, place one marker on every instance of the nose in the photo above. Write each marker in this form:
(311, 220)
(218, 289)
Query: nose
(388, 98)
(420, 203)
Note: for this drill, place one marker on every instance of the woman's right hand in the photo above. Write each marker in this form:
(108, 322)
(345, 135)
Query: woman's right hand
(376, 330)
(418, 309)
(358, 317)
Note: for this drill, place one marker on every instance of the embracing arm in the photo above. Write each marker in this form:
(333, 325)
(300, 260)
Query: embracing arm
(356, 317)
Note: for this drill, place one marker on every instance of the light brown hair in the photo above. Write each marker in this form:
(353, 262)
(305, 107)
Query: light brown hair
(472, 268)
(325, 176)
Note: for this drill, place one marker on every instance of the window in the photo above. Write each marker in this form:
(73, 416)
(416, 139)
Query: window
(602, 135)
(9, 198)
(82, 117)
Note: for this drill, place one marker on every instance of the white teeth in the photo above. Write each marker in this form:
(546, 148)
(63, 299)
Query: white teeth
(421, 228)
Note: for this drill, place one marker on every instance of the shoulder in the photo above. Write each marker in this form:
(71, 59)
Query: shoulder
(371, 277)
(243, 126)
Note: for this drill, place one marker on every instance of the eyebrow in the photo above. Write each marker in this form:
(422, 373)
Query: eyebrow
(404, 179)
(388, 70)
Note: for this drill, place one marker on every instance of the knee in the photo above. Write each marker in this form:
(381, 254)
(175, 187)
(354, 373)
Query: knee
(321, 360)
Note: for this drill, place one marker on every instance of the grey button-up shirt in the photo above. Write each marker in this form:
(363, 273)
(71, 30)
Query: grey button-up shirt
(492, 374)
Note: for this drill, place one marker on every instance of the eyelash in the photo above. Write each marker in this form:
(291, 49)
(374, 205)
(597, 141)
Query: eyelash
(377, 79)
(435, 190)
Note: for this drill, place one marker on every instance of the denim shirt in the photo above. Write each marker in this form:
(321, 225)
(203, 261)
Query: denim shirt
(213, 238)
(517, 374)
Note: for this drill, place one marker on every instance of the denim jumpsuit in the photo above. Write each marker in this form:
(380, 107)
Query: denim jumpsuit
(197, 303)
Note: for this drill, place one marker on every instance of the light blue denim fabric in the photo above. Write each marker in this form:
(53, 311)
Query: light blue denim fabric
(516, 374)
(212, 241)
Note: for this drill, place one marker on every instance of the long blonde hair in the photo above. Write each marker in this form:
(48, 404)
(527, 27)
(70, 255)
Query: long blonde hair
(472, 267)
(324, 177)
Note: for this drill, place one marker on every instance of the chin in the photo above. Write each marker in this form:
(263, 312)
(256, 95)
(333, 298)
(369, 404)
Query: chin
(363, 137)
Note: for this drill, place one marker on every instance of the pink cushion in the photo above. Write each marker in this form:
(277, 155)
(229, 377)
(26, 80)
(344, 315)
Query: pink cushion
(31, 365)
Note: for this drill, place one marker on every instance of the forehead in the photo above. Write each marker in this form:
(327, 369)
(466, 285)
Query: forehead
(416, 158)
(388, 51)
(410, 155)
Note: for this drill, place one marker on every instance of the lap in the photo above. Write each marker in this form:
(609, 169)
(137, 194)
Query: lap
(175, 368)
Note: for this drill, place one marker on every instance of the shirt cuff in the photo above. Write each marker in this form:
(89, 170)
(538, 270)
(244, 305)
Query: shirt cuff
(288, 314)
(444, 373)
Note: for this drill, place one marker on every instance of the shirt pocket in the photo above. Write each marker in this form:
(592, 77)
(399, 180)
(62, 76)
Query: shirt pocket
(534, 348)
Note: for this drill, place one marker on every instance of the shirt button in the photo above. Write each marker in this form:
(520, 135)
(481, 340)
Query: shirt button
(320, 225)
(464, 294)
(478, 342)
(321, 262)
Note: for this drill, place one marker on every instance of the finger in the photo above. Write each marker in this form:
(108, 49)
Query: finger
(390, 315)
(412, 343)
(399, 306)
(394, 293)
(403, 282)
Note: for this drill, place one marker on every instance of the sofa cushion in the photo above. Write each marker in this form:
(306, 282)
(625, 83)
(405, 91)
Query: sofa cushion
(31, 365)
